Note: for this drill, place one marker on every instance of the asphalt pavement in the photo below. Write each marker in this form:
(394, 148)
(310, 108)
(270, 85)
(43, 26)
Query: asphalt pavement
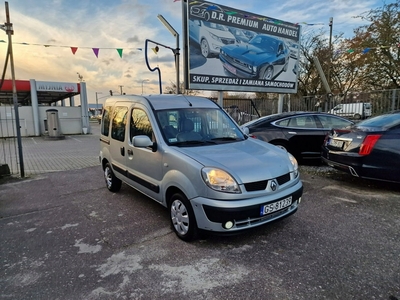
(65, 236)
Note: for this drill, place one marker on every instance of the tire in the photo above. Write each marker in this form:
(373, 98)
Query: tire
(113, 183)
(205, 48)
(182, 218)
(357, 116)
(268, 73)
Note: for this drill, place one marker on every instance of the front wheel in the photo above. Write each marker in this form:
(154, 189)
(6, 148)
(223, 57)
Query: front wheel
(113, 183)
(182, 217)
(205, 48)
(281, 145)
(268, 73)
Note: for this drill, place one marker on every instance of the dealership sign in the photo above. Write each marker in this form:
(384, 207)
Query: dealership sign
(233, 50)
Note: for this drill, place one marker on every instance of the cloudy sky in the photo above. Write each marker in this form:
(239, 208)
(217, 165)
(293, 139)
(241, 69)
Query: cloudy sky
(45, 31)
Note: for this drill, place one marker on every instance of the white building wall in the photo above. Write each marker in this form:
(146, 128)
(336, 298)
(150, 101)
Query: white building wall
(70, 119)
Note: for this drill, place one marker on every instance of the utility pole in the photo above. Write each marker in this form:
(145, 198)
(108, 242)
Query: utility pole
(120, 88)
(330, 61)
(97, 103)
(8, 28)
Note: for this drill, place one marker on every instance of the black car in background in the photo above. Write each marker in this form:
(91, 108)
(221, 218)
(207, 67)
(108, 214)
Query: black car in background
(369, 149)
(300, 133)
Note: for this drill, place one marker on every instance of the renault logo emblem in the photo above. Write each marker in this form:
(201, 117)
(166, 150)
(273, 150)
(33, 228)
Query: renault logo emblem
(274, 185)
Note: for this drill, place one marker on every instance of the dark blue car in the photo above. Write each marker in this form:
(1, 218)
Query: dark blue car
(264, 57)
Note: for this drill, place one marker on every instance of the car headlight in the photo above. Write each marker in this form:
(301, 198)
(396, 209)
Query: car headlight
(215, 37)
(294, 164)
(220, 180)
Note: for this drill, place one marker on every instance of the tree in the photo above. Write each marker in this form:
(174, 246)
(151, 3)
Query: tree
(379, 43)
(171, 89)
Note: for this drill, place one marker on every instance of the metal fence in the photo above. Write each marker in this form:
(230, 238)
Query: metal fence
(377, 103)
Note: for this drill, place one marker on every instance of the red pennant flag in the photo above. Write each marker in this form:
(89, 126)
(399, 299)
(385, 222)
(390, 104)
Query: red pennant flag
(74, 49)
(96, 52)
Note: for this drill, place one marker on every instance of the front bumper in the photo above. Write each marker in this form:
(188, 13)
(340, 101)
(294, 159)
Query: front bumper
(244, 214)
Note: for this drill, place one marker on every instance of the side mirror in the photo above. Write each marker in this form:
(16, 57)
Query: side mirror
(245, 130)
(143, 141)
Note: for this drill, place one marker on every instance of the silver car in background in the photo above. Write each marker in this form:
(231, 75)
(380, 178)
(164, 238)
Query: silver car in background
(186, 153)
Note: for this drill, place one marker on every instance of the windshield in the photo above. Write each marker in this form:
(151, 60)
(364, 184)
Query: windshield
(265, 43)
(191, 126)
(215, 26)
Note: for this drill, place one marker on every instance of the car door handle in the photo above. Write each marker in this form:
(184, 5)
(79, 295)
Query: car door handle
(292, 132)
(122, 149)
(130, 152)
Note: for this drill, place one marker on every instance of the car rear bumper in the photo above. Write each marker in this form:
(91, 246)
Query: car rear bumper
(213, 214)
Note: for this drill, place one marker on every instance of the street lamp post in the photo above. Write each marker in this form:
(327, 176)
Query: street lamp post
(142, 84)
(97, 102)
(176, 50)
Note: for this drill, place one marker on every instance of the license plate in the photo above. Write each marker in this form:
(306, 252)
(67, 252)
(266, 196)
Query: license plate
(230, 68)
(278, 205)
(336, 144)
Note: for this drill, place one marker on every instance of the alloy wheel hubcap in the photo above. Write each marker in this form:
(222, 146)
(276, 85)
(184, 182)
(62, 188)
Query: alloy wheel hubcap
(180, 217)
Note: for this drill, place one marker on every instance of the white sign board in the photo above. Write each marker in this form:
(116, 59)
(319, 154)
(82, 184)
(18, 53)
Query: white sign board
(233, 50)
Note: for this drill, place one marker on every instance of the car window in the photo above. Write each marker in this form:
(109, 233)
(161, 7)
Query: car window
(140, 124)
(105, 125)
(332, 122)
(118, 123)
(298, 122)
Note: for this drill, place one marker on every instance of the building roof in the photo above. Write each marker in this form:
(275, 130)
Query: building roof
(23, 88)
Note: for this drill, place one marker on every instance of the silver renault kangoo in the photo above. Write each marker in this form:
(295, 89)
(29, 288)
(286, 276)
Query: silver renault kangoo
(188, 154)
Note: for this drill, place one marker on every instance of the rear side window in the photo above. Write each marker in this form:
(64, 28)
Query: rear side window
(119, 123)
(105, 124)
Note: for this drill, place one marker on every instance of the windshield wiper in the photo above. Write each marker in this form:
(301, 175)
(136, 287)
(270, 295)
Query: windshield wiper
(225, 138)
(195, 142)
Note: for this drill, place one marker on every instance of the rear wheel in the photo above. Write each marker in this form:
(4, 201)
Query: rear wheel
(182, 217)
(357, 116)
(113, 183)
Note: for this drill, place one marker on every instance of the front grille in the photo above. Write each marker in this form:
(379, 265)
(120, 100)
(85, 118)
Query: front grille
(256, 186)
(283, 179)
(236, 63)
(226, 41)
(262, 185)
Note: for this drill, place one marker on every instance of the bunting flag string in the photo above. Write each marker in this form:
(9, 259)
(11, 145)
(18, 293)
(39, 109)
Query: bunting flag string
(96, 50)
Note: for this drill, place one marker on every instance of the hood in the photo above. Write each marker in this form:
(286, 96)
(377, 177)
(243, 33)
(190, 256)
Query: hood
(247, 52)
(248, 161)
(220, 33)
